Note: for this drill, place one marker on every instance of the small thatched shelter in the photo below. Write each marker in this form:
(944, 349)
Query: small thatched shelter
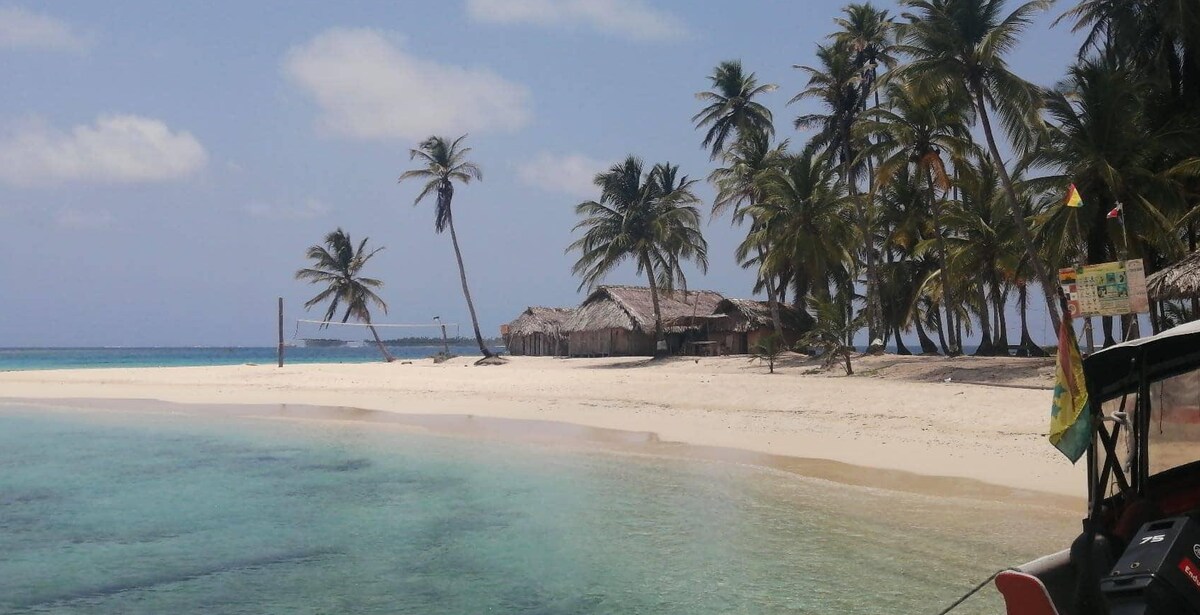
(743, 323)
(538, 332)
(736, 326)
(619, 320)
(1177, 282)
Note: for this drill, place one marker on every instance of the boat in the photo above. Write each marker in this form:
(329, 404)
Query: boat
(323, 343)
(1139, 549)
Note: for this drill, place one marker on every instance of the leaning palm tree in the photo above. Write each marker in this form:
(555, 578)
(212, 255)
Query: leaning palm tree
(446, 162)
(960, 45)
(338, 265)
(732, 110)
(649, 218)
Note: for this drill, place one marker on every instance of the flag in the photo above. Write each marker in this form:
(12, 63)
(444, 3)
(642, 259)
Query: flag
(1116, 212)
(1070, 414)
(1073, 198)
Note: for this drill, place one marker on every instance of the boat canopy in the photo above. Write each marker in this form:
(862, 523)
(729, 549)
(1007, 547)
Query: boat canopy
(1118, 370)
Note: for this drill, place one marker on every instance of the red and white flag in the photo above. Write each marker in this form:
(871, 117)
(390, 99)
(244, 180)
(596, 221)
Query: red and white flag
(1116, 212)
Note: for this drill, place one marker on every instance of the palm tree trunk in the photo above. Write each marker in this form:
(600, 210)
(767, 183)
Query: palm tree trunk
(927, 345)
(383, 349)
(947, 297)
(1047, 283)
(1106, 323)
(874, 311)
(1002, 344)
(986, 348)
(941, 330)
(462, 274)
(901, 349)
(658, 328)
(772, 296)
(1027, 348)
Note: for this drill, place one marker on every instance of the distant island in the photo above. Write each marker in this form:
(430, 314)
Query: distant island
(435, 341)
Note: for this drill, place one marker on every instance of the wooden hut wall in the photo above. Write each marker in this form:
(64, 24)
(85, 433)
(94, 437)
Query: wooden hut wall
(610, 343)
(537, 345)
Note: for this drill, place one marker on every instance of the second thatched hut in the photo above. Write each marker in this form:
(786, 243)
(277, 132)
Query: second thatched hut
(538, 332)
(619, 320)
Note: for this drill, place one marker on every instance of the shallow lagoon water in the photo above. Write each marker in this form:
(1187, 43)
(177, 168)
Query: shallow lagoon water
(114, 512)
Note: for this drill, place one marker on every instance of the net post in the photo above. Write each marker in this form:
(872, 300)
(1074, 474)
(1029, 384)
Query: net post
(280, 332)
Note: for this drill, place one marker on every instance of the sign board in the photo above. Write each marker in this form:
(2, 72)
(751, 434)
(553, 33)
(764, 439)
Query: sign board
(1107, 289)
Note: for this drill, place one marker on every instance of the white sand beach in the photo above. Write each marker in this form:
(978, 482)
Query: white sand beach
(973, 418)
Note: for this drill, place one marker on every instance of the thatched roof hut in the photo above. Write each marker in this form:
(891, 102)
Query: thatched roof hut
(619, 320)
(1179, 281)
(736, 325)
(745, 315)
(631, 308)
(538, 331)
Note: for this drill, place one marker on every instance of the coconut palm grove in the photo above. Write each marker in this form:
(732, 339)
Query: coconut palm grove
(929, 192)
(935, 193)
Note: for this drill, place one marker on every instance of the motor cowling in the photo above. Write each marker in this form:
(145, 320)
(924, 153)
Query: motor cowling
(1159, 572)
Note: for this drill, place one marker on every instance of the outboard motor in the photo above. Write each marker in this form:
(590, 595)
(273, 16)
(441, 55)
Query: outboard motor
(1159, 573)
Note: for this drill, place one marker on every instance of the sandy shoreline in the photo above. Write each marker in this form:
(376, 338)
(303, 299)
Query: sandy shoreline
(899, 414)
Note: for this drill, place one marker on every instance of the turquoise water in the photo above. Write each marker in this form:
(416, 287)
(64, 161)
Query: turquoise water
(104, 512)
(76, 358)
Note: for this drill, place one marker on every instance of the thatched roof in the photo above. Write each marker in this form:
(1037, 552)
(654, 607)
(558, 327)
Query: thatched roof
(631, 308)
(744, 315)
(1179, 281)
(544, 320)
(750, 315)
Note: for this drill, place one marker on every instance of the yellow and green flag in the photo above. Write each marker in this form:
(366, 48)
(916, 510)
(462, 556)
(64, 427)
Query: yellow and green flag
(1070, 416)
(1073, 198)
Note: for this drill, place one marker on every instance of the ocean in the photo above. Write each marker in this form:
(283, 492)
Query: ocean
(12, 359)
(164, 509)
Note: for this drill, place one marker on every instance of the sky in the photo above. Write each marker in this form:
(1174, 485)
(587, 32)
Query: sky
(164, 165)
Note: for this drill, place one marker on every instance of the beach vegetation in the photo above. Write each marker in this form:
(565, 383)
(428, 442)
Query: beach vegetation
(832, 334)
(338, 264)
(443, 163)
(769, 350)
(928, 192)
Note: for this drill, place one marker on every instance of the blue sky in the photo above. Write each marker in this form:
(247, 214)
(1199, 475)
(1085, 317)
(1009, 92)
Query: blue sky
(164, 165)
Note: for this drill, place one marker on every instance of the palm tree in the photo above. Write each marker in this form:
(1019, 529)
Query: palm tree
(833, 326)
(983, 245)
(446, 162)
(922, 130)
(649, 218)
(960, 45)
(806, 223)
(906, 216)
(740, 185)
(869, 34)
(836, 82)
(338, 265)
(732, 110)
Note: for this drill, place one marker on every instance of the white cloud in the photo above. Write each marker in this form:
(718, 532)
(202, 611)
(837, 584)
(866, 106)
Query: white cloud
(115, 149)
(308, 210)
(571, 174)
(626, 18)
(23, 29)
(83, 219)
(369, 87)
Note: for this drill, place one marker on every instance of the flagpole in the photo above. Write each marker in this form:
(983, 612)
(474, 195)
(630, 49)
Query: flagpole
(1134, 330)
(1124, 233)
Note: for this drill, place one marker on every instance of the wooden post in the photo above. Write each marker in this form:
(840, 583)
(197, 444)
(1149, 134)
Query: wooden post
(445, 342)
(281, 332)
